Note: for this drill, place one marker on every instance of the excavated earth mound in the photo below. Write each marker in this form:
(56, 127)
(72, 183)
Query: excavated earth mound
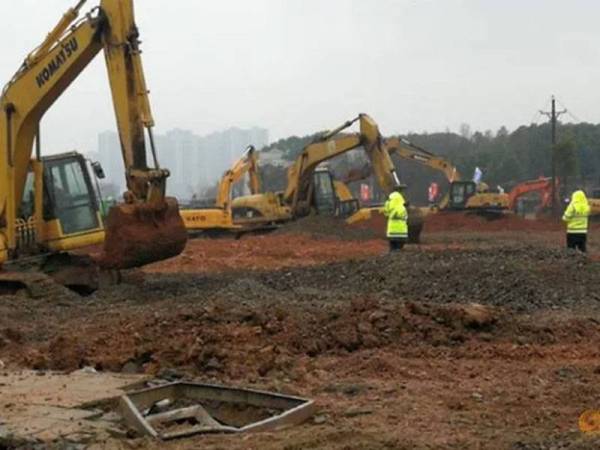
(337, 306)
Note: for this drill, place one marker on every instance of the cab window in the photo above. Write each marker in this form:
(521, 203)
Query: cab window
(72, 195)
(324, 193)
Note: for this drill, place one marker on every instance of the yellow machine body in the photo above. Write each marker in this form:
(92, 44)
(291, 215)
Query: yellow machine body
(220, 218)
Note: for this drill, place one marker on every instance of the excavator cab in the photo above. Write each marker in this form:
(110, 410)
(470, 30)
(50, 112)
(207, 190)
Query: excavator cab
(326, 196)
(70, 214)
(460, 193)
(325, 200)
(469, 196)
(72, 200)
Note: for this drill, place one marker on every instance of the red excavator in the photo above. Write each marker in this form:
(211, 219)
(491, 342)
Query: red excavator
(542, 185)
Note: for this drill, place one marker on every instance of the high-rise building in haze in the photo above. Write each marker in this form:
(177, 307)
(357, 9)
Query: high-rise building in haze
(195, 162)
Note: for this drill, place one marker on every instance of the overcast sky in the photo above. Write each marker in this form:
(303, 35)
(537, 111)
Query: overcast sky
(298, 66)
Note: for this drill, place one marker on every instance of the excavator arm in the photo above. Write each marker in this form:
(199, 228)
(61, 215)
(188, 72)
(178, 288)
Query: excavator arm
(148, 227)
(300, 175)
(407, 150)
(412, 152)
(330, 145)
(542, 185)
(248, 163)
(462, 194)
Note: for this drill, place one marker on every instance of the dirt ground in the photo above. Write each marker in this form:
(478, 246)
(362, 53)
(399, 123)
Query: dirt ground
(481, 337)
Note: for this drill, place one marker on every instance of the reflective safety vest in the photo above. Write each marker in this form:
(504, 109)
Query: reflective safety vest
(395, 211)
(577, 213)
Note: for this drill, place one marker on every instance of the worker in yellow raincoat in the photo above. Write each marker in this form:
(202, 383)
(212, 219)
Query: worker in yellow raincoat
(397, 220)
(576, 216)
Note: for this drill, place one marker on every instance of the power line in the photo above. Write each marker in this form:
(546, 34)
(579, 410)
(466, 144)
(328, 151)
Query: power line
(573, 116)
(539, 113)
(535, 117)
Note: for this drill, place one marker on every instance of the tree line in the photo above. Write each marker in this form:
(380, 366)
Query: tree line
(505, 158)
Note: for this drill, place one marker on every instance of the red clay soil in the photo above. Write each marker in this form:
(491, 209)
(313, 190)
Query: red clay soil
(265, 253)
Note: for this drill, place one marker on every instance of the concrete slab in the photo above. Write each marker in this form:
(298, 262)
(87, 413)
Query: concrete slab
(49, 406)
(76, 389)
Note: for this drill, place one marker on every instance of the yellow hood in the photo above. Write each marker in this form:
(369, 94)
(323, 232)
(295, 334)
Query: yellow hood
(397, 196)
(580, 202)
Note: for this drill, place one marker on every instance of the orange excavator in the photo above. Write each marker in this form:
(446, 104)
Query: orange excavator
(542, 186)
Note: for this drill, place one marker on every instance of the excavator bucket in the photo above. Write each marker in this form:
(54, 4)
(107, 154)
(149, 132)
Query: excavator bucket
(141, 234)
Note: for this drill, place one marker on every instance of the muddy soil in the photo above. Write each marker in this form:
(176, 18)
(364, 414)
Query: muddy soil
(322, 226)
(471, 340)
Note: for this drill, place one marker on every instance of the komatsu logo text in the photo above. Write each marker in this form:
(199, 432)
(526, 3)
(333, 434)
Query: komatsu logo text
(69, 48)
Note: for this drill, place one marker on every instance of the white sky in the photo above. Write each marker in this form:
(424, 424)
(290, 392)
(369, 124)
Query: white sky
(298, 66)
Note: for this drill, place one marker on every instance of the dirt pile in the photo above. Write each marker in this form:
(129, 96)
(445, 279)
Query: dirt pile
(325, 226)
(268, 252)
(374, 228)
(212, 323)
(232, 339)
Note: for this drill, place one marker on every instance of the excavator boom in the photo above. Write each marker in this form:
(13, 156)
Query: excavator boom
(330, 145)
(412, 152)
(542, 185)
(462, 195)
(248, 163)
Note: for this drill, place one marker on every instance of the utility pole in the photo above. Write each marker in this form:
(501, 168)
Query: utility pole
(553, 115)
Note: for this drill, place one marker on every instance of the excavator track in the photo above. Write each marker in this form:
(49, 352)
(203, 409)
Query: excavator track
(38, 285)
(56, 276)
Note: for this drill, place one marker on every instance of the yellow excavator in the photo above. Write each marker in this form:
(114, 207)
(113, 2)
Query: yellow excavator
(312, 189)
(219, 217)
(462, 195)
(48, 208)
